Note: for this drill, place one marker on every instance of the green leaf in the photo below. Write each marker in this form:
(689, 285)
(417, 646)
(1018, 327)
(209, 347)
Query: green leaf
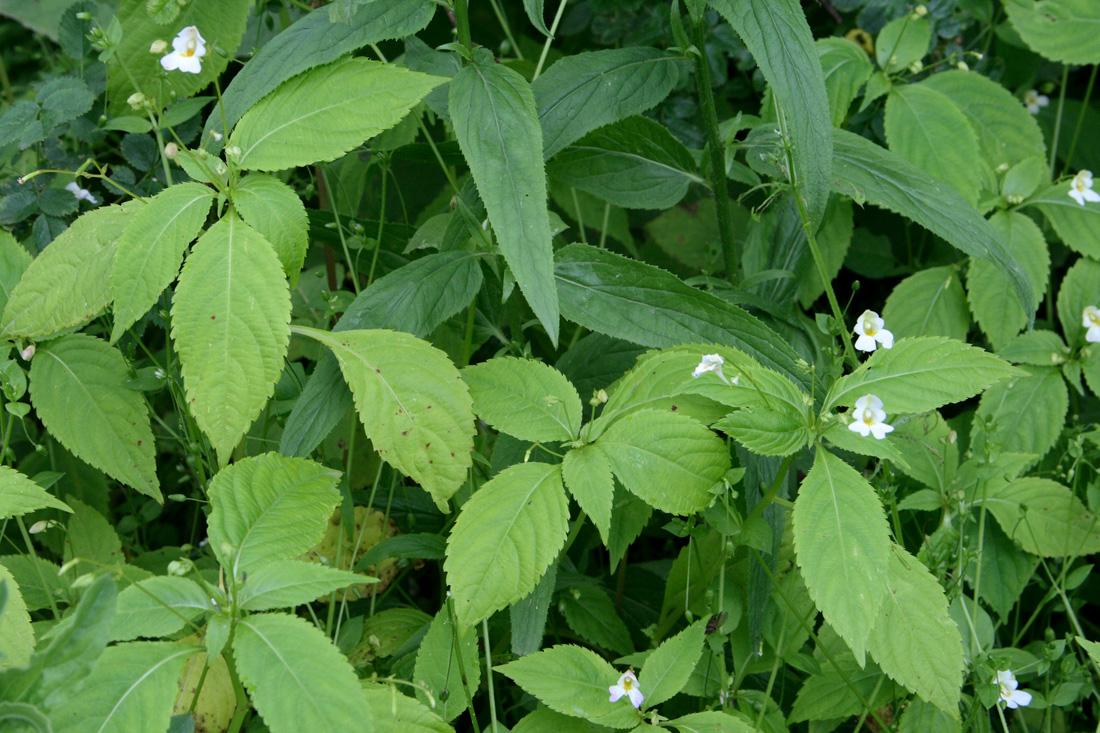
(66, 285)
(592, 616)
(536, 14)
(1080, 288)
(1061, 30)
(1022, 415)
(148, 256)
(394, 712)
(283, 583)
(1075, 224)
(588, 477)
(777, 431)
(412, 402)
(903, 41)
(545, 720)
(711, 721)
(14, 260)
(921, 374)
(19, 495)
(840, 436)
(274, 210)
(846, 69)
(931, 303)
(506, 536)
(994, 306)
(779, 39)
(16, 634)
(1044, 517)
(690, 234)
(914, 639)
(667, 669)
(296, 678)
(925, 128)
(838, 692)
(230, 325)
(585, 91)
(90, 538)
(39, 580)
(670, 461)
(268, 508)
(325, 112)
(493, 110)
(842, 542)
(78, 389)
(133, 687)
(1005, 569)
(439, 667)
(635, 163)
(866, 171)
(574, 681)
(158, 606)
(1038, 348)
(526, 399)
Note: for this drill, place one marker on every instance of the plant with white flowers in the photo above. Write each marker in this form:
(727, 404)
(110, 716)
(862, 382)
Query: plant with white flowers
(188, 48)
(871, 331)
(1090, 319)
(1080, 188)
(868, 418)
(1035, 101)
(713, 363)
(627, 685)
(1012, 697)
(81, 194)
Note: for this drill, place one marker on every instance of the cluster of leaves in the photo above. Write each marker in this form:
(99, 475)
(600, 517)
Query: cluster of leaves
(306, 443)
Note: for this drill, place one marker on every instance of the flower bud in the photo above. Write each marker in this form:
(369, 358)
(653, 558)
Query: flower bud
(136, 100)
(27, 353)
(232, 151)
(920, 11)
(159, 46)
(171, 150)
(962, 65)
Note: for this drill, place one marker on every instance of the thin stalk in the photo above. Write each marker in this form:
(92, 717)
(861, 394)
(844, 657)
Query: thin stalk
(37, 566)
(462, 23)
(160, 149)
(352, 268)
(238, 690)
(489, 674)
(503, 20)
(1058, 120)
(579, 215)
(462, 667)
(546, 44)
(221, 107)
(603, 229)
(1081, 116)
(468, 340)
(381, 226)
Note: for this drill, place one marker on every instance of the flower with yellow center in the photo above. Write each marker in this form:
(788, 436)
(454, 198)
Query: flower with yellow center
(868, 418)
(1035, 101)
(1090, 319)
(871, 331)
(627, 685)
(188, 48)
(1012, 697)
(1080, 188)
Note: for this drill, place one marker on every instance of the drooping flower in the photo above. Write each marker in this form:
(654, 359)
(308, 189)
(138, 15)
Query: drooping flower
(1012, 697)
(187, 49)
(871, 332)
(82, 194)
(1080, 188)
(1035, 101)
(712, 363)
(868, 418)
(628, 685)
(1090, 319)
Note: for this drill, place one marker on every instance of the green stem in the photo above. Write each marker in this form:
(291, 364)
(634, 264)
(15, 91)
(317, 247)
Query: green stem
(503, 20)
(238, 690)
(221, 107)
(462, 667)
(37, 566)
(546, 44)
(773, 490)
(489, 674)
(160, 148)
(468, 340)
(1058, 120)
(462, 21)
(1081, 116)
(353, 270)
(381, 225)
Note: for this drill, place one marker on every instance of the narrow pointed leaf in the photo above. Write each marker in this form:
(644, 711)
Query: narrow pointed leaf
(524, 398)
(274, 210)
(19, 495)
(158, 606)
(16, 633)
(284, 583)
(665, 672)
(588, 476)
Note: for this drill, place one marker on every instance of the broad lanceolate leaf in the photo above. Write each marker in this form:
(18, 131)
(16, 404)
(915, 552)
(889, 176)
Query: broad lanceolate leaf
(396, 712)
(591, 614)
(92, 539)
(574, 681)
(151, 248)
(493, 110)
(913, 638)
(842, 542)
(1044, 517)
(587, 474)
(78, 390)
(1075, 224)
(1022, 415)
(19, 495)
(535, 11)
(283, 583)
(447, 651)
(585, 91)
(902, 41)
(506, 536)
(324, 113)
(296, 678)
(846, 69)
(412, 402)
(66, 285)
(866, 171)
(921, 374)
(274, 210)
(268, 508)
(670, 461)
(526, 399)
(932, 303)
(769, 431)
(1061, 30)
(780, 41)
(230, 324)
(158, 606)
(16, 633)
(837, 693)
(667, 669)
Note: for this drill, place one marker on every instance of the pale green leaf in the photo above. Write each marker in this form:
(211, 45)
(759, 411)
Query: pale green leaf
(506, 536)
(148, 256)
(903, 41)
(775, 431)
(296, 678)
(89, 537)
(592, 616)
(1080, 288)
(412, 402)
(839, 692)
(1044, 517)
(39, 580)
(394, 712)
(493, 110)
(545, 720)
(1091, 647)
(16, 634)
(922, 717)
(667, 669)
(268, 508)
(78, 389)
(845, 439)
(230, 325)
(1022, 415)
(283, 583)
(527, 399)
(931, 303)
(930, 450)
(1077, 225)
(914, 639)
(273, 209)
(670, 461)
(158, 606)
(711, 721)
(574, 681)
(846, 69)
(1005, 568)
(842, 541)
(1038, 348)
(439, 668)
(14, 260)
(325, 112)
(67, 284)
(1061, 30)
(391, 628)
(19, 495)
(588, 477)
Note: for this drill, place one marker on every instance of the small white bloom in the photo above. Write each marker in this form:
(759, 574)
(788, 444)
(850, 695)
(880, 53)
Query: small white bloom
(28, 352)
(712, 363)
(82, 194)
(42, 525)
(217, 136)
(188, 48)
(868, 418)
(171, 150)
(1080, 188)
(159, 46)
(1035, 101)
(871, 331)
(628, 685)
(1090, 319)
(1013, 698)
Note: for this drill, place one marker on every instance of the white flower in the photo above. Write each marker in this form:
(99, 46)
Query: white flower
(1080, 188)
(82, 194)
(1013, 698)
(188, 48)
(871, 331)
(868, 417)
(28, 353)
(628, 685)
(712, 363)
(1035, 101)
(1090, 319)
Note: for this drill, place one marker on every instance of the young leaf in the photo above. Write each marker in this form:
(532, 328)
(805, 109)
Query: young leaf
(395, 712)
(325, 112)
(151, 248)
(412, 402)
(78, 390)
(1044, 517)
(846, 69)
(592, 616)
(90, 538)
(506, 536)
(19, 495)
(268, 508)
(230, 324)
(777, 431)
(902, 41)
(296, 678)
(931, 303)
(158, 606)
(274, 210)
(283, 583)
(527, 399)
(439, 667)
(1075, 224)
(587, 474)
(666, 671)
(1061, 30)
(16, 633)
(493, 110)
(842, 542)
